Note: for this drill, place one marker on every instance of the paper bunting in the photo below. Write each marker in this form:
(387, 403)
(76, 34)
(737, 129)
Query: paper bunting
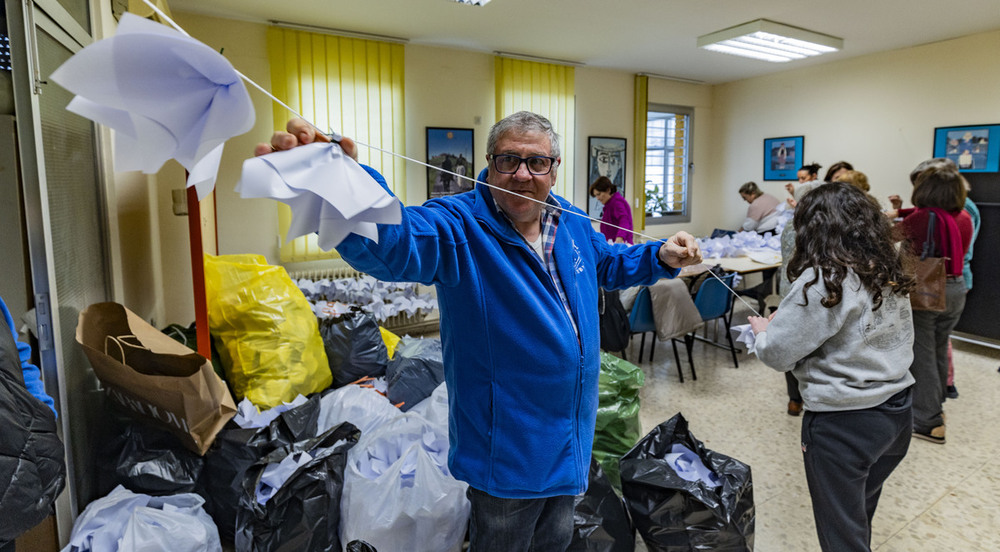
(328, 192)
(166, 95)
(746, 337)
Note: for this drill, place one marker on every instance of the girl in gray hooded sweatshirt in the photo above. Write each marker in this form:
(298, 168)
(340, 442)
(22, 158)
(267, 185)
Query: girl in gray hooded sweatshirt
(845, 330)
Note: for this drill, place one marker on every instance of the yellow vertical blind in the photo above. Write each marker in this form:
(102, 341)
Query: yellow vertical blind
(548, 90)
(348, 85)
(639, 150)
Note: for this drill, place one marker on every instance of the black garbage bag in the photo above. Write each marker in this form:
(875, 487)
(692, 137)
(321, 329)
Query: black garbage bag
(354, 347)
(153, 462)
(673, 514)
(236, 449)
(615, 328)
(360, 546)
(600, 519)
(414, 372)
(303, 514)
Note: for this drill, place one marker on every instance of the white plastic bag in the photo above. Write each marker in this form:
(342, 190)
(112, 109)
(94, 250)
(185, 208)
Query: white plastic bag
(362, 406)
(434, 409)
(398, 492)
(129, 522)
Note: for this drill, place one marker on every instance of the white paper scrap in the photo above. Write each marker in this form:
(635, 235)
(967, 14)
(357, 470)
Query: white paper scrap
(166, 96)
(747, 337)
(328, 192)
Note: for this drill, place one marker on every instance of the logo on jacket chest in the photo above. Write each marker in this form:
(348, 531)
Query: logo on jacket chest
(577, 259)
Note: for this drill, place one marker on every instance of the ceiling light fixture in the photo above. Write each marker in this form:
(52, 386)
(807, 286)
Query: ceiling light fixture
(769, 41)
(338, 32)
(539, 59)
(474, 2)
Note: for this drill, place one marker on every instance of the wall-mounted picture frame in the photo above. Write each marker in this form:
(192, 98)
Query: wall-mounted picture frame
(783, 157)
(605, 157)
(450, 149)
(974, 148)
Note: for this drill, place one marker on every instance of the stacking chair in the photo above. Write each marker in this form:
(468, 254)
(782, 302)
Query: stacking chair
(714, 301)
(641, 320)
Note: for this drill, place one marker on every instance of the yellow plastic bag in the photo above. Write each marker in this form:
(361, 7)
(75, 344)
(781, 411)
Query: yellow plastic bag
(391, 341)
(265, 330)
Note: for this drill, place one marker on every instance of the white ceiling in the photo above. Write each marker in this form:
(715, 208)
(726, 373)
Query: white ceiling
(651, 36)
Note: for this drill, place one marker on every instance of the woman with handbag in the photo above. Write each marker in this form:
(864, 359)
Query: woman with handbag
(938, 196)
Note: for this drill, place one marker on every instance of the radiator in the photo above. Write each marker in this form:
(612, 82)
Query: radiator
(399, 324)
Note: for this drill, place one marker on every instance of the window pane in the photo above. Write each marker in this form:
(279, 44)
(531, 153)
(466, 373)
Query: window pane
(667, 160)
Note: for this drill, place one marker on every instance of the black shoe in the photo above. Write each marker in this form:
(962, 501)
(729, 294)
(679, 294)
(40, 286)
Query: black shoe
(952, 392)
(935, 435)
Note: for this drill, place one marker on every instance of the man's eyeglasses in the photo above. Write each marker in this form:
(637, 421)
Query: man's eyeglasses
(537, 165)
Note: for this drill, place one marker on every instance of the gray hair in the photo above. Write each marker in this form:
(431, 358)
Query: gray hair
(932, 162)
(522, 121)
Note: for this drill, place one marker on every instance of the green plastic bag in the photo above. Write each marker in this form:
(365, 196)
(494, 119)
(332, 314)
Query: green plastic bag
(265, 330)
(618, 427)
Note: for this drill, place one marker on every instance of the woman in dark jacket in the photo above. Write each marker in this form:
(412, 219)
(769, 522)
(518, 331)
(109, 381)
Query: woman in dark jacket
(32, 465)
(939, 189)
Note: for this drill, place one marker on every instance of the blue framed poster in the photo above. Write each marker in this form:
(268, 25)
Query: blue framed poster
(783, 157)
(974, 148)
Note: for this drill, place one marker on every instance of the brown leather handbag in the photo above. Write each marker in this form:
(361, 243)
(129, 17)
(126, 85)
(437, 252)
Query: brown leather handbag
(931, 274)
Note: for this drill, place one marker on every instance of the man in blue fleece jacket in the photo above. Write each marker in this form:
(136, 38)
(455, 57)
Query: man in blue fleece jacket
(517, 273)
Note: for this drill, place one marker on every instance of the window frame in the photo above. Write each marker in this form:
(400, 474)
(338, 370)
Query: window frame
(684, 215)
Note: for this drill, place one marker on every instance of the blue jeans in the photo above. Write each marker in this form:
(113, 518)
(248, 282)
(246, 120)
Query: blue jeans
(519, 524)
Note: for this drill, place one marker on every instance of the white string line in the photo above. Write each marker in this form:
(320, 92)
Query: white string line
(336, 137)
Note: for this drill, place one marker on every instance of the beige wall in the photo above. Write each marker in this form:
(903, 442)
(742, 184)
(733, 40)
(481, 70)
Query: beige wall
(876, 111)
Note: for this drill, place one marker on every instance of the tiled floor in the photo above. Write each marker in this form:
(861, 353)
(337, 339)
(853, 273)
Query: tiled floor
(941, 498)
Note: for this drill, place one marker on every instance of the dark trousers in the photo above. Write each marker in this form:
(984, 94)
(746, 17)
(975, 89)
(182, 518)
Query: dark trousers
(793, 387)
(519, 524)
(931, 331)
(848, 456)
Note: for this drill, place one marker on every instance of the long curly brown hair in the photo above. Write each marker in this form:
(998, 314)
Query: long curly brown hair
(839, 227)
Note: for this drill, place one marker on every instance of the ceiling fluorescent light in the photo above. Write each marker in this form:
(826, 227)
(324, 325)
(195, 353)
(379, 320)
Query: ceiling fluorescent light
(474, 2)
(671, 78)
(338, 32)
(769, 41)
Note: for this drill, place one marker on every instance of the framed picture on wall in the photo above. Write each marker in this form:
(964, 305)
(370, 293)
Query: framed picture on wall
(783, 157)
(605, 157)
(449, 149)
(974, 148)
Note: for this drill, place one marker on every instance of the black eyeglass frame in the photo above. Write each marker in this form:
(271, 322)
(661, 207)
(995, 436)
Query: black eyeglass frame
(553, 161)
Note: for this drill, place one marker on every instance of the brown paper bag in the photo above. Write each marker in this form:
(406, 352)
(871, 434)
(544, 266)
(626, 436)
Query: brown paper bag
(153, 376)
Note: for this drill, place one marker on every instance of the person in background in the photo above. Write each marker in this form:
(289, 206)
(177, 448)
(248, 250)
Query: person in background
(517, 269)
(844, 329)
(857, 179)
(836, 169)
(808, 173)
(833, 172)
(939, 188)
(616, 213)
(32, 464)
(762, 215)
(951, 391)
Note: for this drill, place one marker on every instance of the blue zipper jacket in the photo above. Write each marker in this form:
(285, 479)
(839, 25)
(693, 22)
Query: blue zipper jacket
(522, 389)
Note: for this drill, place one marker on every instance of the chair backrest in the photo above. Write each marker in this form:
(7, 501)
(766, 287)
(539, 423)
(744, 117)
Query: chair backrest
(713, 299)
(641, 317)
